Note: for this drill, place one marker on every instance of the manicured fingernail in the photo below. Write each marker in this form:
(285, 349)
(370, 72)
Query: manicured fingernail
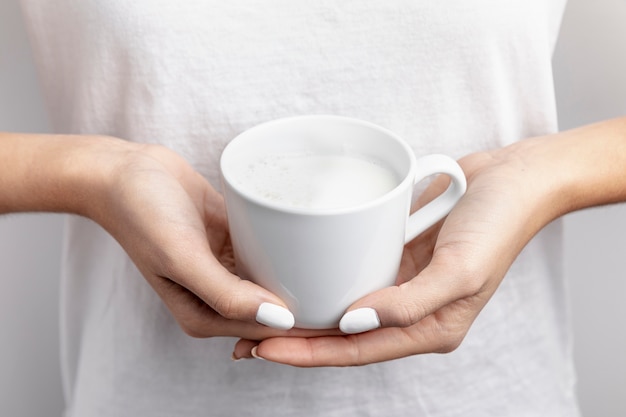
(254, 354)
(275, 316)
(359, 321)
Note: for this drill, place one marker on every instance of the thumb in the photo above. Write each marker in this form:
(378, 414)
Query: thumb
(234, 298)
(437, 286)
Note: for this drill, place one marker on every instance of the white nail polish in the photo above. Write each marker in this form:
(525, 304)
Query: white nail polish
(359, 321)
(275, 316)
(256, 355)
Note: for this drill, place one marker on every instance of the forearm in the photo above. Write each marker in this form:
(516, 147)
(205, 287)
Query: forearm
(58, 173)
(597, 154)
(576, 169)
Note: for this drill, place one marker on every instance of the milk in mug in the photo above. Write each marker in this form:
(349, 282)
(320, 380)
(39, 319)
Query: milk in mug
(316, 181)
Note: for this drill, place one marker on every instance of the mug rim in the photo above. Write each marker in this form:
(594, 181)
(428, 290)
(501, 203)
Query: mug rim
(407, 180)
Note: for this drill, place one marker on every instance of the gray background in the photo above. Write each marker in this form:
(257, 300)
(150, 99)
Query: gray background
(590, 64)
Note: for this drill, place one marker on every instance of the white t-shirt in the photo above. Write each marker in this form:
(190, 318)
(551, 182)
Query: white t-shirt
(452, 77)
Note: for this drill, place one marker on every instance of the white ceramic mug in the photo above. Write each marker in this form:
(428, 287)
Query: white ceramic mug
(319, 261)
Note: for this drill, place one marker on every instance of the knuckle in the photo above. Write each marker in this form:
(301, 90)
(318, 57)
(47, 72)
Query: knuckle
(225, 304)
(403, 309)
(466, 282)
(408, 313)
(473, 281)
(469, 270)
(237, 301)
(154, 149)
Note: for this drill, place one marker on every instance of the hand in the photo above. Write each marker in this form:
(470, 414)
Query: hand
(173, 225)
(447, 275)
(166, 216)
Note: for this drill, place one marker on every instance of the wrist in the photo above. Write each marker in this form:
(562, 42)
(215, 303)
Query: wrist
(92, 171)
(574, 169)
(56, 173)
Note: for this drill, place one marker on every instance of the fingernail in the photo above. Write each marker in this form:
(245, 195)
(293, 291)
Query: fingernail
(275, 316)
(359, 321)
(234, 358)
(254, 354)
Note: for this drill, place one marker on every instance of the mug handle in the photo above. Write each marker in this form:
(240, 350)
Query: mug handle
(437, 209)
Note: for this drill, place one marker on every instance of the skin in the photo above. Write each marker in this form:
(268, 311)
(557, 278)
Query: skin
(447, 275)
(127, 189)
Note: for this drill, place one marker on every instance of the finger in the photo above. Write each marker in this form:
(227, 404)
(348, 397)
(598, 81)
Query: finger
(190, 262)
(243, 349)
(230, 297)
(418, 252)
(159, 217)
(197, 319)
(445, 280)
(353, 350)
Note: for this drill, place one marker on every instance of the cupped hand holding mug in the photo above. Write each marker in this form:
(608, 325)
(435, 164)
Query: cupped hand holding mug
(318, 210)
(450, 272)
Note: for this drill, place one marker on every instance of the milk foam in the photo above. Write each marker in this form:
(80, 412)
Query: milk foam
(317, 181)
